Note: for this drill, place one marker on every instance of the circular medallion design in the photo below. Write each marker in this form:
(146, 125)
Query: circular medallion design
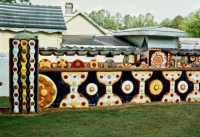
(156, 87)
(192, 58)
(47, 91)
(158, 58)
(62, 63)
(127, 87)
(91, 89)
(77, 64)
(45, 63)
(182, 87)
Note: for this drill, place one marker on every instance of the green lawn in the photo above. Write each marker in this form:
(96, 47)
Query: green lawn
(155, 120)
(4, 101)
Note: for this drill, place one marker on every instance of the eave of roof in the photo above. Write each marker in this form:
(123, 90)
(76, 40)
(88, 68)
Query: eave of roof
(151, 31)
(84, 50)
(183, 52)
(15, 17)
(94, 23)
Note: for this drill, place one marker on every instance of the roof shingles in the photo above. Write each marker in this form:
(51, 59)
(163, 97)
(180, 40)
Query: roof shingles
(43, 18)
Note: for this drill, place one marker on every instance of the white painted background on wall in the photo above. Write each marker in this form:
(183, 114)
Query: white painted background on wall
(4, 74)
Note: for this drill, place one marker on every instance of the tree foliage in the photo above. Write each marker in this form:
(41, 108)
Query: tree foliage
(16, 1)
(108, 21)
(192, 24)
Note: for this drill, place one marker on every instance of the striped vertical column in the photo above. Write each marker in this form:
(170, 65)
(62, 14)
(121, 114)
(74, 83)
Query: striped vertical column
(31, 75)
(23, 72)
(15, 51)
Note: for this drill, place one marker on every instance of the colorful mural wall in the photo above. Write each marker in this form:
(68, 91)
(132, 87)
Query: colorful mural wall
(159, 75)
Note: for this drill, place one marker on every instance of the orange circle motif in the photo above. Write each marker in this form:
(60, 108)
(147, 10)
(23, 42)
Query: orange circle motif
(158, 60)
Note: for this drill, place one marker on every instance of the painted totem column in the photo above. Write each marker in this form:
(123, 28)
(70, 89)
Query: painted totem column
(23, 72)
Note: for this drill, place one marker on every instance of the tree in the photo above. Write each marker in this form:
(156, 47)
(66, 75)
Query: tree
(146, 20)
(15, 1)
(192, 24)
(166, 23)
(106, 20)
(177, 21)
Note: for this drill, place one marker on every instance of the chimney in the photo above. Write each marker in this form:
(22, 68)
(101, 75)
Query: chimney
(68, 8)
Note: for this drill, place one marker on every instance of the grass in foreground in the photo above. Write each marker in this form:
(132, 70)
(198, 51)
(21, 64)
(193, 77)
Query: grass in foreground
(4, 101)
(170, 120)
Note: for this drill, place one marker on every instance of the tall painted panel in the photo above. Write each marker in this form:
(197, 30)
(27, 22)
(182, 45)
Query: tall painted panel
(23, 73)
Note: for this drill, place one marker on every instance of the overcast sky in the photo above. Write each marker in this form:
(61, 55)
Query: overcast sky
(161, 9)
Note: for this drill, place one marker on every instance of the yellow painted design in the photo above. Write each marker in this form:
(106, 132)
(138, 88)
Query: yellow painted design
(45, 64)
(196, 98)
(73, 103)
(74, 82)
(182, 86)
(23, 71)
(156, 87)
(109, 102)
(62, 63)
(109, 90)
(91, 64)
(91, 89)
(127, 87)
(44, 92)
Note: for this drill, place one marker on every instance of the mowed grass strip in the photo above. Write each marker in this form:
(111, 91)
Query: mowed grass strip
(168, 120)
(4, 101)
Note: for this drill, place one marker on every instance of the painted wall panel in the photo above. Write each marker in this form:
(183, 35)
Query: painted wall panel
(4, 86)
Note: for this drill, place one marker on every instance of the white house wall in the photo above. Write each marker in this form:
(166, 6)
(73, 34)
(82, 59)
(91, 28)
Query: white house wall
(4, 75)
(45, 39)
(81, 26)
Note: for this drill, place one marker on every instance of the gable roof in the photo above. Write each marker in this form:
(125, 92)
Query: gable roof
(35, 17)
(151, 31)
(95, 40)
(91, 21)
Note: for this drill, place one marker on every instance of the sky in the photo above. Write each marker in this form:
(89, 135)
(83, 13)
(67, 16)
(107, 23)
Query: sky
(160, 9)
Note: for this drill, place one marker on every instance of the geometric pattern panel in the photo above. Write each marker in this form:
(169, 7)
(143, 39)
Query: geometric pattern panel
(23, 75)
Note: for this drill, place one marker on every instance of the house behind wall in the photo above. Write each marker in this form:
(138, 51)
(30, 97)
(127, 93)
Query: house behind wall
(46, 39)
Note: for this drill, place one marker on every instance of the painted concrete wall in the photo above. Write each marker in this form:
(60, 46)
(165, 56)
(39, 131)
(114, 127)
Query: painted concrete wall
(81, 26)
(45, 39)
(4, 77)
